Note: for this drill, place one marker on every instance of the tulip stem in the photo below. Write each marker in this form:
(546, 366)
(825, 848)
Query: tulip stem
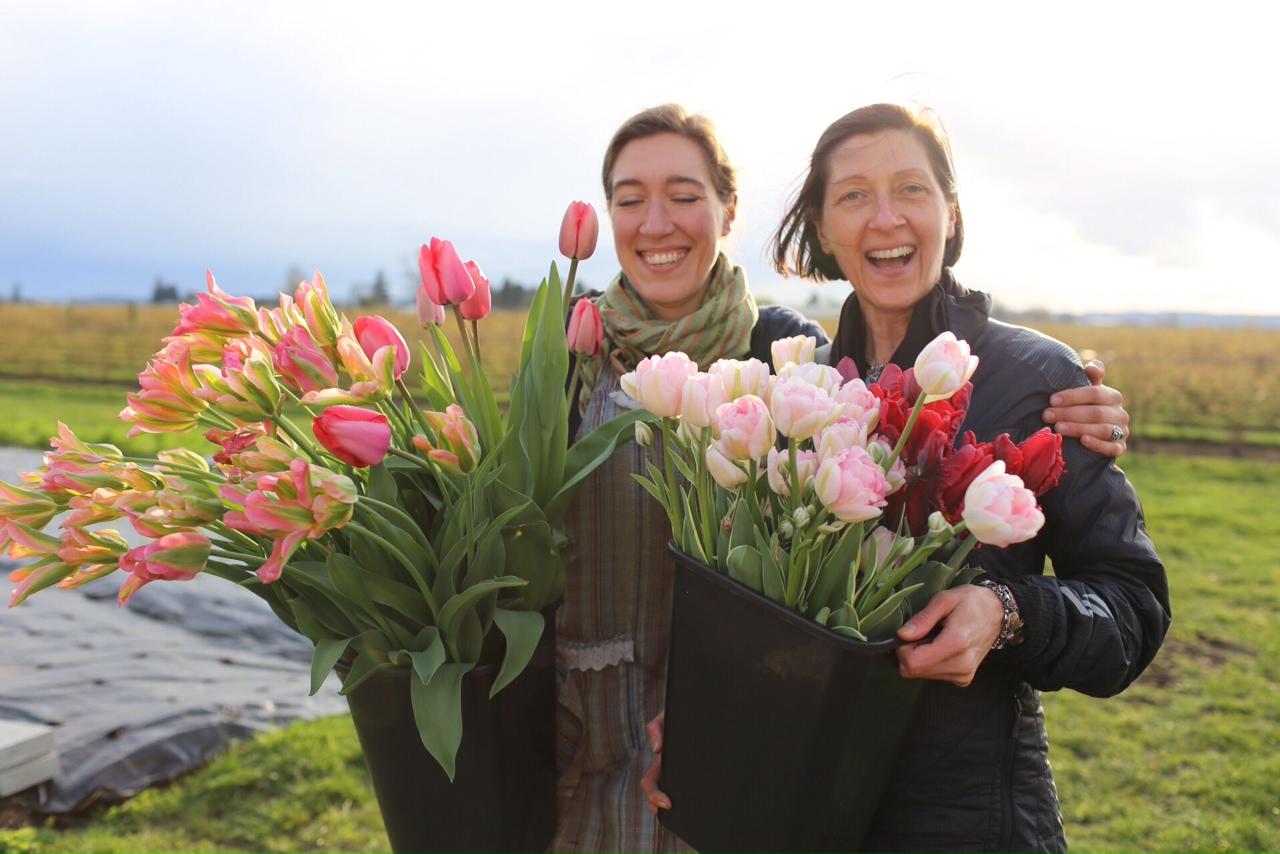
(706, 499)
(668, 448)
(404, 561)
(568, 287)
(413, 405)
(906, 432)
(304, 444)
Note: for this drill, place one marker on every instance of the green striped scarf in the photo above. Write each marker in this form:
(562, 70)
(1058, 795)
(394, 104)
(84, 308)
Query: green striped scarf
(719, 329)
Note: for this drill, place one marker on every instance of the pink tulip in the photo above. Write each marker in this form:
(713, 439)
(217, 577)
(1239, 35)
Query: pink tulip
(312, 299)
(36, 577)
(852, 485)
(779, 466)
(999, 510)
(586, 330)
(478, 306)
(359, 437)
(219, 313)
(302, 364)
(658, 383)
(579, 231)
(305, 502)
(375, 332)
(175, 557)
(744, 429)
(31, 507)
(429, 313)
(800, 409)
(824, 377)
(444, 277)
(799, 349)
(456, 445)
(859, 403)
(944, 366)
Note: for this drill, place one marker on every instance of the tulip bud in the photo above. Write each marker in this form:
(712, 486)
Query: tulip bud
(430, 313)
(354, 435)
(373, 333)
(586, 331)
(644, 434)
(944, 366)
(579, 231)
(444, 276)
(478, 306)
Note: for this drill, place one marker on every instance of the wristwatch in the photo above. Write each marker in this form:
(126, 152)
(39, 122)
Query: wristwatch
(1012, 629)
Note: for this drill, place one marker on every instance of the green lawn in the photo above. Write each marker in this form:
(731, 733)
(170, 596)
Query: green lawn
(1185, 760)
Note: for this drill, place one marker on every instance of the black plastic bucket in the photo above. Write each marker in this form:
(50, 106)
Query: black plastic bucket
(503, 796)
(780, 734)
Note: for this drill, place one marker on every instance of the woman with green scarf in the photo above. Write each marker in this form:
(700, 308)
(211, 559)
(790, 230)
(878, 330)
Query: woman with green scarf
(672, 199)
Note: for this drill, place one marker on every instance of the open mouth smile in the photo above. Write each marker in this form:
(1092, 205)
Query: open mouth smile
(891, 259)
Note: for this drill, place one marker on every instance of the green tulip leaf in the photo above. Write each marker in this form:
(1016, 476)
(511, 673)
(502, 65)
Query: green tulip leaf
(327, 653)
(437, 710)
(523, 630)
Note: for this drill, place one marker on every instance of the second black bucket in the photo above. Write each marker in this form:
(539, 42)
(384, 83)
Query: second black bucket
(780, 734)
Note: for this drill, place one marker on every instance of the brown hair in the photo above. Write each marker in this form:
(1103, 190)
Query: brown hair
(796, 248)
(673, 118)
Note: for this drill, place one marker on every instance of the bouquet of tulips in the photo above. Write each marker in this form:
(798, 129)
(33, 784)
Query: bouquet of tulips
(845, 502)
(389, 532)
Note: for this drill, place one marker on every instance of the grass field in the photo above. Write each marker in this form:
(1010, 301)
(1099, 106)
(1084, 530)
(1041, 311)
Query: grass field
(1186, 760)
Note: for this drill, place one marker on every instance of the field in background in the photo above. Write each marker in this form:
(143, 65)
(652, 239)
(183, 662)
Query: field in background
(1188, 385)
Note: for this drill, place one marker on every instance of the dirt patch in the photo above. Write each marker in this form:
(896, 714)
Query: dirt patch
(1199, 651)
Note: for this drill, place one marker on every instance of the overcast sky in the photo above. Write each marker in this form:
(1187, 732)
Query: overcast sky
(1109, 157)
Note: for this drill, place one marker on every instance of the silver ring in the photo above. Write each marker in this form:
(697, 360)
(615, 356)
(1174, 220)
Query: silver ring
(1117, 435)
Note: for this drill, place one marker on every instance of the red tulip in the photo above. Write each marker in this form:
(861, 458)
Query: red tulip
(354, 435)
(374, 333)
(477, 307)
(444, 276)
(579, 231)
(585, 329)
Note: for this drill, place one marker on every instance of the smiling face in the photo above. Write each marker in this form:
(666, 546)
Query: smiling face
(667, 222)
(886, 220)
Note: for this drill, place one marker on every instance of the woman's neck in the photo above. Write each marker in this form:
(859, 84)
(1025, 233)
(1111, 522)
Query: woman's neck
(884, 334)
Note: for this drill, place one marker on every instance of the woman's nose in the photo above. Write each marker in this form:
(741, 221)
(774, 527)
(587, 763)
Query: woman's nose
(656, 222)
(886, 217)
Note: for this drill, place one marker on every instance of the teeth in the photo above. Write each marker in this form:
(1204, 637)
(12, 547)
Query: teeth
(885, 254)
(658, 259)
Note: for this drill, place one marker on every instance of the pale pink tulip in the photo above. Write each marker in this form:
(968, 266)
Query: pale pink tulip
(354, 435)
(800, 409)
(578, 231)
(429, 313)
(779, 466)
(658, 383)
(312, 300)
(824, 377)
(741, 378)
(723, 470)
(745, 429)
(703, 394)
(479, 304)
(944, 366)
(373, 333)
(444, 277)
(586, 330)
(798, 349)
(999, 510)
(852, 485)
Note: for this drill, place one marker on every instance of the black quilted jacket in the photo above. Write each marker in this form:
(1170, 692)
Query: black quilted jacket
(975, 775)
